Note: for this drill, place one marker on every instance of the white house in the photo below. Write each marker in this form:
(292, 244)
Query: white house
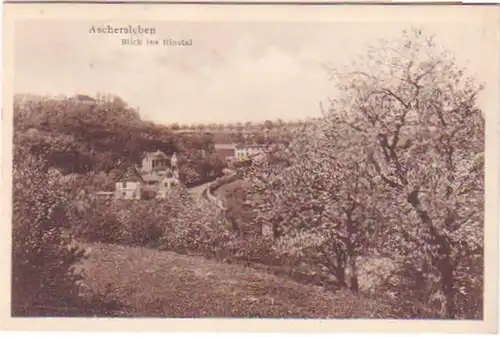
(155, 177)
(155, 162)
(244, 152)
(129, 186)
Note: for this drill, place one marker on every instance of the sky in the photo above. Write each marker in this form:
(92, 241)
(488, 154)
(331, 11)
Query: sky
(234, 71)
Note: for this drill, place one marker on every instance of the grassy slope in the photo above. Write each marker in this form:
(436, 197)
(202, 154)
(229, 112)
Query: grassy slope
(165, 284)
(225, 190)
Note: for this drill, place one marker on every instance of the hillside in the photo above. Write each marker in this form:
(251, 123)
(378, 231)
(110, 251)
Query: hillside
(165, 284)
(82, 137)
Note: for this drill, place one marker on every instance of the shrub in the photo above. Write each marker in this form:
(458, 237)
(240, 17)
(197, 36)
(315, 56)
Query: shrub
(43, 258)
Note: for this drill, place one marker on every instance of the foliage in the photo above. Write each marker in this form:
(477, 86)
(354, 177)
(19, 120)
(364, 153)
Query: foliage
(311, 194)
(43, 257)
(200, 169)
(176, 223)
(423, 136)
(239, 210)
(395, 168)
(78, 137)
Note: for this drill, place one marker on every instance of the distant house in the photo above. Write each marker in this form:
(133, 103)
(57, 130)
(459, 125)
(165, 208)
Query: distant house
(155, 161)
(157, 164)
(154, 179)
(245, 152)
(231, 152)
(129, 186)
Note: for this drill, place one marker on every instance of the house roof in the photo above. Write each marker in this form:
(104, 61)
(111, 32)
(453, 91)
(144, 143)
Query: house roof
(156, 155)
(131, 175)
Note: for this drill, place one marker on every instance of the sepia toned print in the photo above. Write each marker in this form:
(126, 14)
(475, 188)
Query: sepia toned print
(318, 170)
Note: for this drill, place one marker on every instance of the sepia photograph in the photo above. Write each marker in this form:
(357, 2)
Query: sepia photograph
(258, 169)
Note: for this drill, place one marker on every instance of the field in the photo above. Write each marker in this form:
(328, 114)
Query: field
(165, 284)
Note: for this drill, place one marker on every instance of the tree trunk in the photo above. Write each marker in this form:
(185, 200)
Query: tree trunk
(276, 231)
(447, 285)
(234, 224)
(340, 270)
(447, 281)
(351, 256)
(442, 262)
(353, 279)
(352, 270)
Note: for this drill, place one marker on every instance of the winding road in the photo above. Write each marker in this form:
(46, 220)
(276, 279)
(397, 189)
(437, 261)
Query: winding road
(203, 191)
(199, 192)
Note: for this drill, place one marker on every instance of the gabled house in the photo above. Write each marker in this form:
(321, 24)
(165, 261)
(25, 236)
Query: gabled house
(129, 186)
(154, 179)
(155, 162)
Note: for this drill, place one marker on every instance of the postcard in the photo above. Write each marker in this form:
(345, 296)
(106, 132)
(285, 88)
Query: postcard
(250, 168)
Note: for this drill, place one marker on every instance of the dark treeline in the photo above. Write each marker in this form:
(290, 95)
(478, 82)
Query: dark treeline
(104, 137)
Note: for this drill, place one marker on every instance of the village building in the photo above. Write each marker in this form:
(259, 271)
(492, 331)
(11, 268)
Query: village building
(238, 152)
(129, 186)
(154, 179)
(155, 162)
(245, 152)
